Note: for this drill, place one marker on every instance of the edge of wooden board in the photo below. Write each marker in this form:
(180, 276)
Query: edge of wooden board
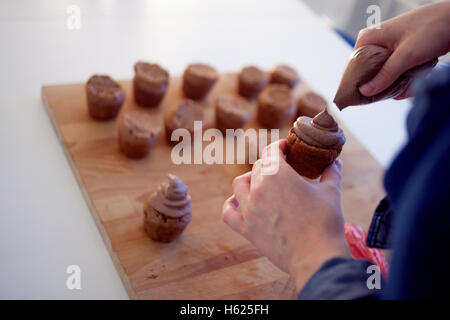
(122, 274)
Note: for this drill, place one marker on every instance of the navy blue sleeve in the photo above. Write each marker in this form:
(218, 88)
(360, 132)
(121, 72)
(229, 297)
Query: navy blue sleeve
(339, 279)
(418, 187)
(418, 193)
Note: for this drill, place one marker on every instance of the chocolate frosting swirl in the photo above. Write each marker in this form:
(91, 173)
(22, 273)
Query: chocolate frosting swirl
(171, 199)
(322, 131)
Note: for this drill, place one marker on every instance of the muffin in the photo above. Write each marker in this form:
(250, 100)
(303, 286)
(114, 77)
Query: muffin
(310, 104)
(232, 112)
(137, 134)
(104, 97)
(198, 79)
(275, 106)
(182, 116)
(284, 75)
(149, 84)
(251, 81)
(314, 144)
(168, 211)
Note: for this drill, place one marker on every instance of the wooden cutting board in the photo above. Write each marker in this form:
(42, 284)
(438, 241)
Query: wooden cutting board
(209, 260)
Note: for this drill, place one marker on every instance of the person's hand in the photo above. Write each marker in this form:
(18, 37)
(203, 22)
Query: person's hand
(295, 223)
(414, 38)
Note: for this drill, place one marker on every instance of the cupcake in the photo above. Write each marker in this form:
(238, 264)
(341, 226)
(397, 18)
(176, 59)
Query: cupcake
(149, 84)
(104, 97)
(137, 134)
(168, 211)
(314, 144)
(284, 75)
(232, 112)
(310, 104)
(251, 81)
(275, 106)
(198, 79)
(182, 116)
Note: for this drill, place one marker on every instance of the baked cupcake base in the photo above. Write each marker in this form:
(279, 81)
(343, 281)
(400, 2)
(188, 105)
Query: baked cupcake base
(104, 97)
(307, 160)
(162, 228)
(198, 80)
(275, 106)
(135, 151)
(147, 98)
(104, 111)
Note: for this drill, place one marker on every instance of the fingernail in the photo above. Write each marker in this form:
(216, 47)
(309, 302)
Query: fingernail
(339, 164)
(368, 88)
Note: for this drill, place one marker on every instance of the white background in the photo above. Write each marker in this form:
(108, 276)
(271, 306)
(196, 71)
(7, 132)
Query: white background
(45, 224)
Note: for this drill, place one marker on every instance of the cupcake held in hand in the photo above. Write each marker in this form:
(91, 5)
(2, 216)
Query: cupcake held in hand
(168, 211)
(313, 144)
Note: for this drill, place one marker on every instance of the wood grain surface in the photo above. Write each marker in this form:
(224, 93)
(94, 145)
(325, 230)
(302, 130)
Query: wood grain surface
(208, 261)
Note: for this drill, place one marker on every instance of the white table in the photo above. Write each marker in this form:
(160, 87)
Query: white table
(45, 224)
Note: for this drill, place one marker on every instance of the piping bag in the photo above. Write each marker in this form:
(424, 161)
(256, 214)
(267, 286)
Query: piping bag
(364, 64)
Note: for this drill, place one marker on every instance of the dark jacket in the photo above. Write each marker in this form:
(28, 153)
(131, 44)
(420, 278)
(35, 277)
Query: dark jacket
(413, 219)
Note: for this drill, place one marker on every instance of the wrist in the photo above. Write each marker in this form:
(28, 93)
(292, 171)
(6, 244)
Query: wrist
(303, 269)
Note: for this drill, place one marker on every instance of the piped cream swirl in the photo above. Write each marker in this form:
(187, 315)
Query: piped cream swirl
(322, 131)
(171, 199)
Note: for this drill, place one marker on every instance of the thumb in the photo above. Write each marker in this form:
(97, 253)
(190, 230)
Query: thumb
(332, 174)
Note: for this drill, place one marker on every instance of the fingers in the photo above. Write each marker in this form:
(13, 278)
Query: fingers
(241, 187)
(369, 36)
(272, 157)
(277, 148)
(282, 146)
(398, 63)
(332, 174)
(232, 217)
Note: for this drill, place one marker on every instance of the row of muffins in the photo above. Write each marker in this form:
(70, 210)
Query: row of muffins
(168, 211)
(138, 132)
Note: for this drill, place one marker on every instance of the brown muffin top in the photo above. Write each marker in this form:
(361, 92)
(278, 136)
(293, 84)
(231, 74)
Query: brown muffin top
(310, 104)
(151, 72)
(202, 71)
(103, 86)
(253, 75)
(184, 115)
(276, 96)
(136, 125)
(233, 106)
(285, 75)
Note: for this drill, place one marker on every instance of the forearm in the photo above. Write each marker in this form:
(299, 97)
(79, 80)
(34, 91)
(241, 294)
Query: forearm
(301, 269)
